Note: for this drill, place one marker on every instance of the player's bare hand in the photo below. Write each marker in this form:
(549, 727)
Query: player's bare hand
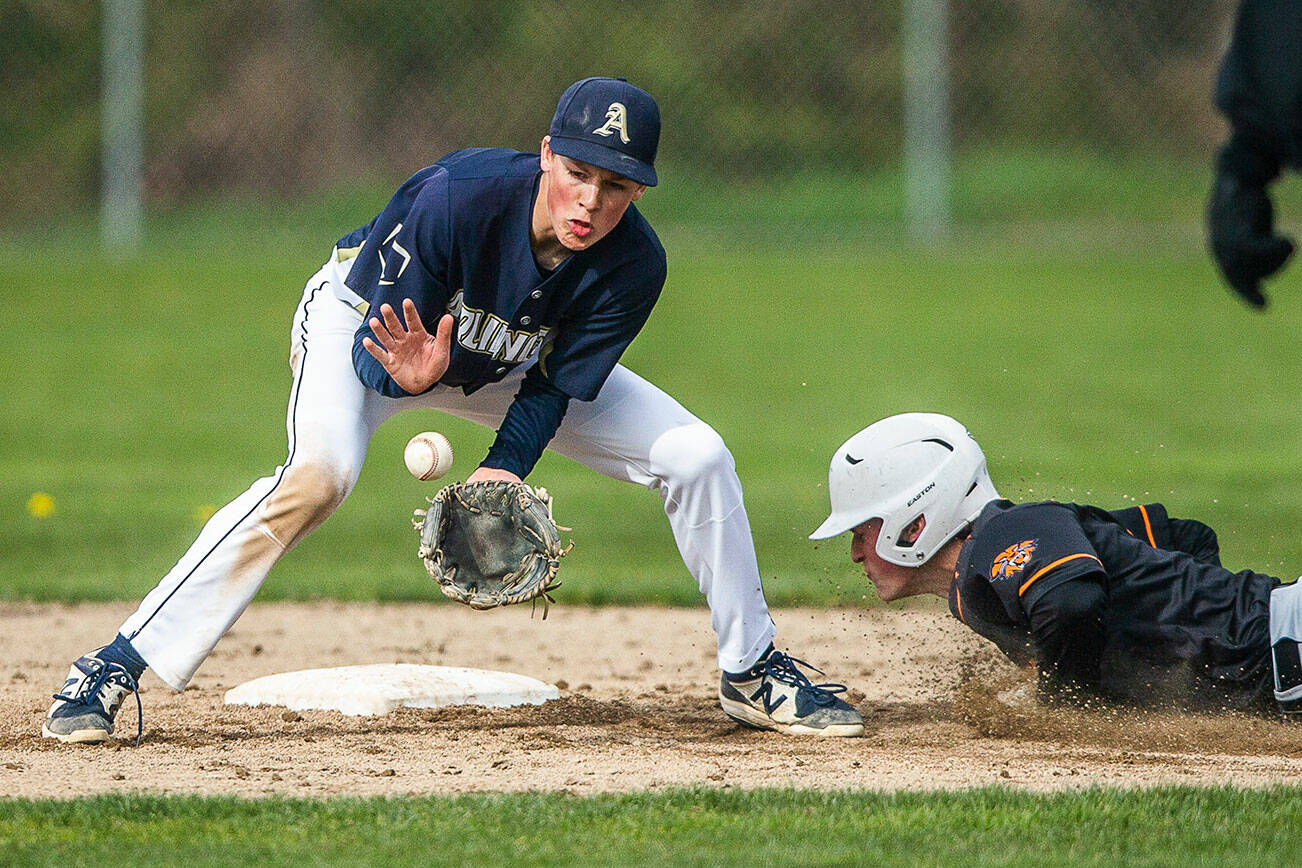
(412, 356)
(488, 474)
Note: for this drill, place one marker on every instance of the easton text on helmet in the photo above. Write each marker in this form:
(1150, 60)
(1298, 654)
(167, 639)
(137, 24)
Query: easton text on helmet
(918, 496)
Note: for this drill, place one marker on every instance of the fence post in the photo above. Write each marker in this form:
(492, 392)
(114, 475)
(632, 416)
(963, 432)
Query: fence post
(122, 124)
(927, 147)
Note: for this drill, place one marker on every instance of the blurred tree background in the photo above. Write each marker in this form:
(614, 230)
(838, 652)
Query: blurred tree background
(283, 97)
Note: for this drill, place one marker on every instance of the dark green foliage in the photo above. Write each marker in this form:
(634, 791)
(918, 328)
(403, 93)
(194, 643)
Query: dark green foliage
(291, 95)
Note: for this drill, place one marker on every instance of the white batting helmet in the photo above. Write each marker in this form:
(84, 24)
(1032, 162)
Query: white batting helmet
(900, 468)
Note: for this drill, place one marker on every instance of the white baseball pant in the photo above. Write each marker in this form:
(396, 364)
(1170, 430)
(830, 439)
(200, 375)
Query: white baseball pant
(1285, 638)
(632, 431)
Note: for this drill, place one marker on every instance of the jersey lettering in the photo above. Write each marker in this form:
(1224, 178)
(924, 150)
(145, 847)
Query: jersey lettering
(490, 335)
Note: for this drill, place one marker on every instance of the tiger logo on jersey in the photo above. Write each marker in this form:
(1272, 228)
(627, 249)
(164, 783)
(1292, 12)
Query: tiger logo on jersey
(1013, 559)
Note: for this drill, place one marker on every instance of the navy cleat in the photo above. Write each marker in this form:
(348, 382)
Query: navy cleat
(84, 709)
(775, 694)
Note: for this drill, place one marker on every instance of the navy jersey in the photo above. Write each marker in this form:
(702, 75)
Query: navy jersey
(1132, 605)
(455, 239)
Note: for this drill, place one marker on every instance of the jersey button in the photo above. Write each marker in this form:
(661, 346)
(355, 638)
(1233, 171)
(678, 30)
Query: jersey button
(536, 294)
(525, 320)
(501, 371)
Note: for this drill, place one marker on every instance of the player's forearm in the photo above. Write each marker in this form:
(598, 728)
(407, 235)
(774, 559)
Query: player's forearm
(530, 424)
(1067, 630)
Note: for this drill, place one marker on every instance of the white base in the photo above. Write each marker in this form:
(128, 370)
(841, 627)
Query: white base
(380, 688)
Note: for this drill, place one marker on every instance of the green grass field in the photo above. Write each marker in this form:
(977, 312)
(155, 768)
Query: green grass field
(1098, 362)
(1075, 324)
(1172, 826)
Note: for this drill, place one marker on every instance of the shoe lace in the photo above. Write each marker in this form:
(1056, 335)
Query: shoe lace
(108, 673)
(785, 668)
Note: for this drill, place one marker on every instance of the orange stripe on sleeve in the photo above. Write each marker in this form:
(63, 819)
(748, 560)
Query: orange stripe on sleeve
(1148, 527)
(958, 597)
(1059, 562)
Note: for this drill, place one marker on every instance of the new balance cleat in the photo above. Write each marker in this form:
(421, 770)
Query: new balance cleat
(775, 694)
(83, 711)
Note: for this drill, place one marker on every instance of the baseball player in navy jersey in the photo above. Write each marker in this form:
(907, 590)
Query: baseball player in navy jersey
(1129, 606)
(501, 287)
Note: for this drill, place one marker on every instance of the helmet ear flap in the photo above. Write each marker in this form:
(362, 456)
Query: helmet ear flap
(909, 535)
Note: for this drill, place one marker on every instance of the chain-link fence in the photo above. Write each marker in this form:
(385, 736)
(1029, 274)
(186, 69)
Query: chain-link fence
(1105, 75)
(281, 96)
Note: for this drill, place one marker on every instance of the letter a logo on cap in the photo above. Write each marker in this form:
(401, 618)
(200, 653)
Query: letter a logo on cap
(616, 121)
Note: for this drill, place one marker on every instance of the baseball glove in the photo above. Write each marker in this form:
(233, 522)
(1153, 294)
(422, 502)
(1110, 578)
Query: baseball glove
(491, 544)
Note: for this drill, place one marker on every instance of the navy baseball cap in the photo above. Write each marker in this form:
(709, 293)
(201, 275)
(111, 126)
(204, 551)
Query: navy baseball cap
(609, 123)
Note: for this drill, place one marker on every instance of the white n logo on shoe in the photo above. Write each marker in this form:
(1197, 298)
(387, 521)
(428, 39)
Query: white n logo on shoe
(765, 695)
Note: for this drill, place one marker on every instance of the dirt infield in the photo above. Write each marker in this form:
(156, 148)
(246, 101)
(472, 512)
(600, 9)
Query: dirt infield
(638, 711)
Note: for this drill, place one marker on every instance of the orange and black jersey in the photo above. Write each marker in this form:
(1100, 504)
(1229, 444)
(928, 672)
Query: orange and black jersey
(1132, 605)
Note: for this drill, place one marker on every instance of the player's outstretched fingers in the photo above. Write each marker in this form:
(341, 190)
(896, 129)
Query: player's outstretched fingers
(415, 327)
(382, 334)
(380, 354)
(392, 323)
(443, 334)
(413, 357)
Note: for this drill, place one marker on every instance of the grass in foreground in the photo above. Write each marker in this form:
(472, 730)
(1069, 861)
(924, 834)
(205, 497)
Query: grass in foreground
(1093, 364)
(992, 826)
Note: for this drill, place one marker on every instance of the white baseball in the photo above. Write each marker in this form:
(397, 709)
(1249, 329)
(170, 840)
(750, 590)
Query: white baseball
(428, 455)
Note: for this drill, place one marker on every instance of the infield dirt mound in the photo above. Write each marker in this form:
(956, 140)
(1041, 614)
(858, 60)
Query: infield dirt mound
(638, 711)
